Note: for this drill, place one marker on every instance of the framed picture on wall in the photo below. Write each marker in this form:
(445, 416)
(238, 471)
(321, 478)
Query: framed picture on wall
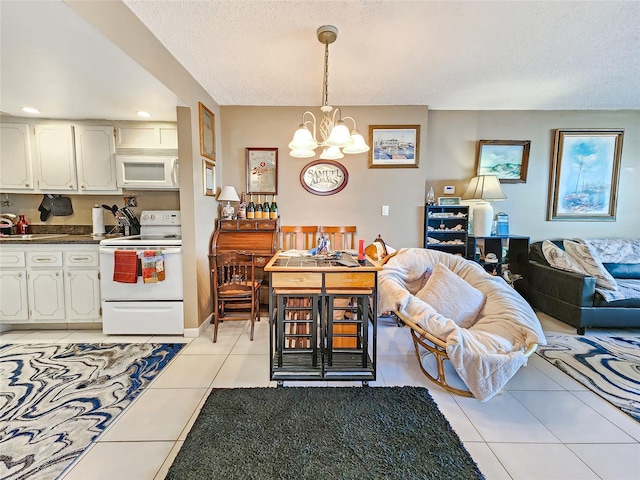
(506, 159)
(209, 178)
(207, 132)
(394, 146)
(585, 168)
(262, 170)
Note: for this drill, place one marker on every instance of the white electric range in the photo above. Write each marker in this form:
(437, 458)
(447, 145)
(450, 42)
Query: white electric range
(145, 308)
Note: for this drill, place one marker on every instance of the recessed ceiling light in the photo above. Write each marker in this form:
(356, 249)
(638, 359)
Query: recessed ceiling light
(30, 110)
(143, 114)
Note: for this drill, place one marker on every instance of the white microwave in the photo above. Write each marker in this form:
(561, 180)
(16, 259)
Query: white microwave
(147, 172)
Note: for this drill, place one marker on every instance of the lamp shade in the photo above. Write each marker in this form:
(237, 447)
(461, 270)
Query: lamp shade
(358, 145)
(339, 136)
(302, 139)
(484, 187)
(331, 153)
(229, 194)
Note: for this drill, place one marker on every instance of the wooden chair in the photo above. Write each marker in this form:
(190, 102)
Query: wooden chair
(341, 238)
(298, 237)
(236, 290)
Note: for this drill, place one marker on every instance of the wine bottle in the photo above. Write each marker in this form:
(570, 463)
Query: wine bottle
(258, 208)
(251, 208)
(242, 207)
(266, 209)
(274, 208)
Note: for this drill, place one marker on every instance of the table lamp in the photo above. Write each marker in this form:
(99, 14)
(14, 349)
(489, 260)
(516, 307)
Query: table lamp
(229, 194)
(483, 189)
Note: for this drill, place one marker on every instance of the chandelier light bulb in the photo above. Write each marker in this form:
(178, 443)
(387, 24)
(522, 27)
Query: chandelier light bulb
(331, 153)
(339, 136)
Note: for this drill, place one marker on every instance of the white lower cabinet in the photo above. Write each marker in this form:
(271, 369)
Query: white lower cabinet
(49, 284)
(46, 295)
(14, 306)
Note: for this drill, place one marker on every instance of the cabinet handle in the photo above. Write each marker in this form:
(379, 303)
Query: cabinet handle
(70, 186)
(82, 187)
(19, 275)
(57, 274)
(79, 258)
(42, 259)
(27, 185)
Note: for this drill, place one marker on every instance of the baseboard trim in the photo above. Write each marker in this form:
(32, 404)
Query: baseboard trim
(196, 332)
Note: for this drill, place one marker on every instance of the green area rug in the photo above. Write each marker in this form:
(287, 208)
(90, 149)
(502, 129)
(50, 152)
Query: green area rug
(322, 433)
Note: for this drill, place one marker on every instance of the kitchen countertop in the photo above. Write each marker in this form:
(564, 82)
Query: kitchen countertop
(61, 240)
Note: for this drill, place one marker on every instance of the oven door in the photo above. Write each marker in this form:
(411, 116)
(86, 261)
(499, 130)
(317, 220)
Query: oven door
(168, 290)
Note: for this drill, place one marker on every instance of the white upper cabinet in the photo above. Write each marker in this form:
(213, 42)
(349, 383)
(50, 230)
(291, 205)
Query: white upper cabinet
(15, 157)
(55, 157)
(148, 136)
(95, 158)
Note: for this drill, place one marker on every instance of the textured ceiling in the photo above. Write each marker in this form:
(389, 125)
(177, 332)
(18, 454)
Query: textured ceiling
(445, 54)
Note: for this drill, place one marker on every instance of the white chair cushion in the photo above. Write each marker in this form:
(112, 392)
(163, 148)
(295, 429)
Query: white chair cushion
(452, 297)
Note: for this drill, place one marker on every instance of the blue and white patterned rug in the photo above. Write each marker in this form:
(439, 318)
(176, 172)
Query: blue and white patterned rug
(55, 400)
(609, 366)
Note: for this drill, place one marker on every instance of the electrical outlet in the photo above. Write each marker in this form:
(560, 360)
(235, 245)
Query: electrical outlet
(385, 210)
(449, 190)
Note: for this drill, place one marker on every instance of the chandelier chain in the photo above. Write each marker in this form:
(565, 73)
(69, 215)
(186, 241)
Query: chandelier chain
(325, 98)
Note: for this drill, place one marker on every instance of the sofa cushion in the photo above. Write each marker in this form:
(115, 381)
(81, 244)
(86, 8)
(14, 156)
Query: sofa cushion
(559, 258)
(623, 270)
(452, 297)
(591, 265)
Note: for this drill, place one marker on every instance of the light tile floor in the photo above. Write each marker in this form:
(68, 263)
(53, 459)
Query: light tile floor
(544, 425)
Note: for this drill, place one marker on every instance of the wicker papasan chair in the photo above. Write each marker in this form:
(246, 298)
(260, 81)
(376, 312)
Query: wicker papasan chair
(495, 330)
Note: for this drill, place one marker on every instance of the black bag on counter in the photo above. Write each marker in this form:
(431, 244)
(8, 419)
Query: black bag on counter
(55, 205)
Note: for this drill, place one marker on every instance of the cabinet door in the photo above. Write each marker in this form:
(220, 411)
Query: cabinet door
(95, 157)
(14, 307)
(56, 157)
(82, 294)
(15, 157)
(147, 136)
(46, 295)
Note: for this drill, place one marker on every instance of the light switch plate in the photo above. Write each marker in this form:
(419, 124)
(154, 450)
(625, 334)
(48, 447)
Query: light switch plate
(385, 210)
(449, 190)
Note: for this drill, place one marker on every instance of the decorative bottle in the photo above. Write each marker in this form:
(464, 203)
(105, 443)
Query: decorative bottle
(274, 208)
(251, 208)
(242, 208)
(266, 208)
(22, 227)
(258, 208)
(431, 198)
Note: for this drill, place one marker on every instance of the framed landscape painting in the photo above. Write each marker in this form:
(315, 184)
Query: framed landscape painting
(506, 159)
(585, 169)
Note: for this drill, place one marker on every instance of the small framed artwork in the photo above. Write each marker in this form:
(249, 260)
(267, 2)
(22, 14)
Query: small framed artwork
(585, 169)
(262, 170)
(209, 178)
(207, 132)
(324, 177)
(506, 159)
(394, 146)
(448, 200)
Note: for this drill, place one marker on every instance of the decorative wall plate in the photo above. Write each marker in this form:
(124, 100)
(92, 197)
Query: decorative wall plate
(324, 177)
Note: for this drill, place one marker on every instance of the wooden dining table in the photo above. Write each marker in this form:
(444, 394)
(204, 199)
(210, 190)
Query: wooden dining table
(323, 317)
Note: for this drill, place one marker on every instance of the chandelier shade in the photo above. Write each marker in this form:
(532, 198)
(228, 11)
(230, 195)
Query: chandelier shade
(331, 133)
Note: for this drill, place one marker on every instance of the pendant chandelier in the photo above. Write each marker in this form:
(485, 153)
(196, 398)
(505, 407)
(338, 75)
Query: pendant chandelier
(334, 138)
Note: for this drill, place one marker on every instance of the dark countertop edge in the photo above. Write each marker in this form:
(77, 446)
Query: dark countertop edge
(69, 239)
